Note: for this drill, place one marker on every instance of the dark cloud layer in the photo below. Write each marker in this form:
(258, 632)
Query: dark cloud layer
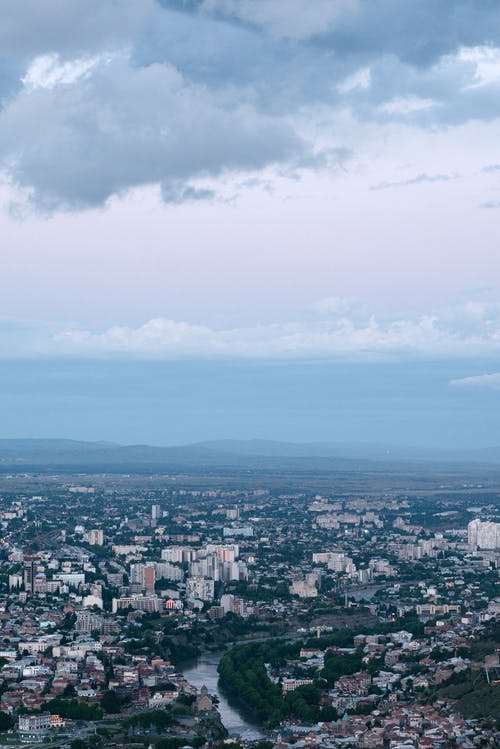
(70, 27)
(101, 97)
(418, 33)
(126, 127)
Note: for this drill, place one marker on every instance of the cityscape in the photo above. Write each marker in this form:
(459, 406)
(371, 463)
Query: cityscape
(197, 609)
(250, 374)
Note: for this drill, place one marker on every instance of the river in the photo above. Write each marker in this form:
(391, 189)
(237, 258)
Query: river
(203, 671)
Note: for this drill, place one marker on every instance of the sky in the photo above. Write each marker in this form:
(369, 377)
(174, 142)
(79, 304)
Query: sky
(250, 218)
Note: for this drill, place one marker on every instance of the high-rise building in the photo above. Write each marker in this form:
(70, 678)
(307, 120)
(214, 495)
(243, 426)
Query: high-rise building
(225, 552)
(168, 571)
(234, 571)
(15, 581)
(96, 537)
(483, 535)
(198, 587)
(149, 577)
(179, 554)
(29, 573)
(227, 603)
(143, 576)
(155, 512)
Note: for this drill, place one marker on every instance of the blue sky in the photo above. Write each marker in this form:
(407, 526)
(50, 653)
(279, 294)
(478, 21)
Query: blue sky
(177, 402)
(250, 218)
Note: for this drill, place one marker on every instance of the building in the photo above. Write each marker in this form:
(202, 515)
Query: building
(227, 603)
(87, 621)
(430, 610)
(483, 535)
(96, 537)
(15, 581)
(143, 576)
(168, 571)
(156, 512)
(150, 604)
(303, 589)
(234, 571)
(178, 554)
(204, 702)
(33, 729)
(199, 587)
(30, 569)
(225, 552)
(72, 579)
(243, 532)
(290, 685)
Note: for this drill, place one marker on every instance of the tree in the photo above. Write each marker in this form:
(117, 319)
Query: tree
(263, 745)
(329, 714)
(6, 722)
(78, 744)
(110, 702)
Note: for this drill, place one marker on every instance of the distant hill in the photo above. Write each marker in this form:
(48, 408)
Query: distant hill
(230, 454)
(351, 451)
(74, 452)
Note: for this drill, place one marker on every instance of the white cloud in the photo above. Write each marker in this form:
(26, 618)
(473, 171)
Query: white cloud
(491, 381)
(360, 80)
(405, 105)
(334, 306)
(47, 71)
(337, 329)
(485, 61)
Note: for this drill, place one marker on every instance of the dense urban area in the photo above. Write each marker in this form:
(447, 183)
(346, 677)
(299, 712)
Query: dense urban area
(334, 613)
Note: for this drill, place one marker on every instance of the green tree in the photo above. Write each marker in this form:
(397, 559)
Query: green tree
(110, 702)
(6, 722)
(78, 744)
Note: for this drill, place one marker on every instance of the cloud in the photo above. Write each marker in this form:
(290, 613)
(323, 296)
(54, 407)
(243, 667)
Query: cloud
(76, 146)
(419, 33)
(418, 180)
(428, 62)
(491, 381)
(72, 28)
(100, 98)
(332, 329)
(341, 337)
(296, 19)
(47, 71)
(359, 80)
(486, 61)
(406, 105)
(172, 192)
(490, 204)
(491, 169)
(334, 306)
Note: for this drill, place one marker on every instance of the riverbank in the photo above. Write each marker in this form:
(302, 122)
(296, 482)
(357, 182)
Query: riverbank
(203, 672)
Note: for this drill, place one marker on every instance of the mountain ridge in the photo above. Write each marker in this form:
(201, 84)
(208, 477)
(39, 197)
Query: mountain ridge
(255, 453)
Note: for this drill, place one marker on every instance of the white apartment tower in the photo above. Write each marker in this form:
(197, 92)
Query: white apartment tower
(483, 535)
